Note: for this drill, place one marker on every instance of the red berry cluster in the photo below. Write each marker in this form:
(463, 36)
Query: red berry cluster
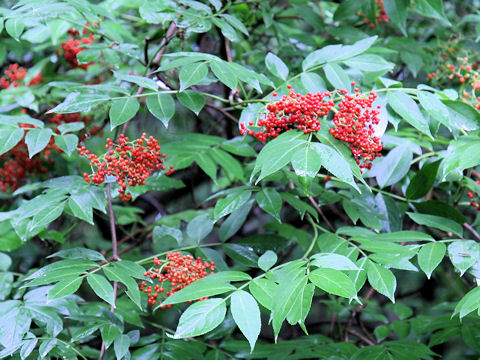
(354, 124)
(293, 111)
(461, 70)
(380, 15)
(179, 271)
(130, 162)
(473, 195)
(15, 75)
(17, 166)
(74, 45)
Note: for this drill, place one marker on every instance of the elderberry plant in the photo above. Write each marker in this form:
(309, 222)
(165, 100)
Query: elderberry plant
(208, 179)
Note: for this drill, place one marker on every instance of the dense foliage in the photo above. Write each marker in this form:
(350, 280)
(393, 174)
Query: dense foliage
(239, 179)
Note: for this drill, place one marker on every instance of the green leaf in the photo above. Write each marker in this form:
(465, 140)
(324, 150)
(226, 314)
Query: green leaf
(270, 201)
(64, 288)
(121, 345)
(192, 74)
(463, 254)
(45, 217)
(263, 290)
(208, 286)
(116, 273)
(431, 8)
(470, 302)
(102, 288)
(79, 253)
(229, 164)
(131, 268)
(267, 260)
(394, 166)
(246, 314)
(306, 162)
(224, 73)
(437, 222)
(277, 153)
(109, 333)
(27, 348)
(5, 262)
(435, 108)
(430, 256)
(382, 280)
(301, 307)
(276, 66)
(9, 138)
(440, 208)
(232, 20)
(77, 102)
(37, 140)
(46, 346)
(162, 106)
(408, 109)
(284, 298)
(81, 206)
(139, 80)
(335, 163)
(227, 30)
(123, 110)
(423, 181)
(461, 154)
(68, 143)
(337, 52)
(193, 100)
(462, 116)
(337, 77)
(313, 82)
(207, 164)
(333, 282)
(200, 318)
(199, 227)
(333, 261)
(243, 254)
(397, 12)
(369, 63)
(234, 221)
(14, 27)
(231, 203)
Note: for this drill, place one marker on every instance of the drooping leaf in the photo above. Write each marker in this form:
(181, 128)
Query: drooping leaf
(276, 66)
(382, 280)
(200, 318)
(246, 314)
(162, 106)
(101, 287)
(123, 110)
(192, 74)
(430, 256)
(333, 282)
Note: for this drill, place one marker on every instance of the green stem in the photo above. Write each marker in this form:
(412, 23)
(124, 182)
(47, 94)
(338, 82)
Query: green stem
(421, 157)
(315, 237)
(393, 196)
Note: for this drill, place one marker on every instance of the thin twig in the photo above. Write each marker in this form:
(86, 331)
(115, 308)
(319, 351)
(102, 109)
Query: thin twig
(472, 230)
(225, 113)
(322, 215)
(228, 50)
(156, 61)
(145, 49)
(361, 336)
